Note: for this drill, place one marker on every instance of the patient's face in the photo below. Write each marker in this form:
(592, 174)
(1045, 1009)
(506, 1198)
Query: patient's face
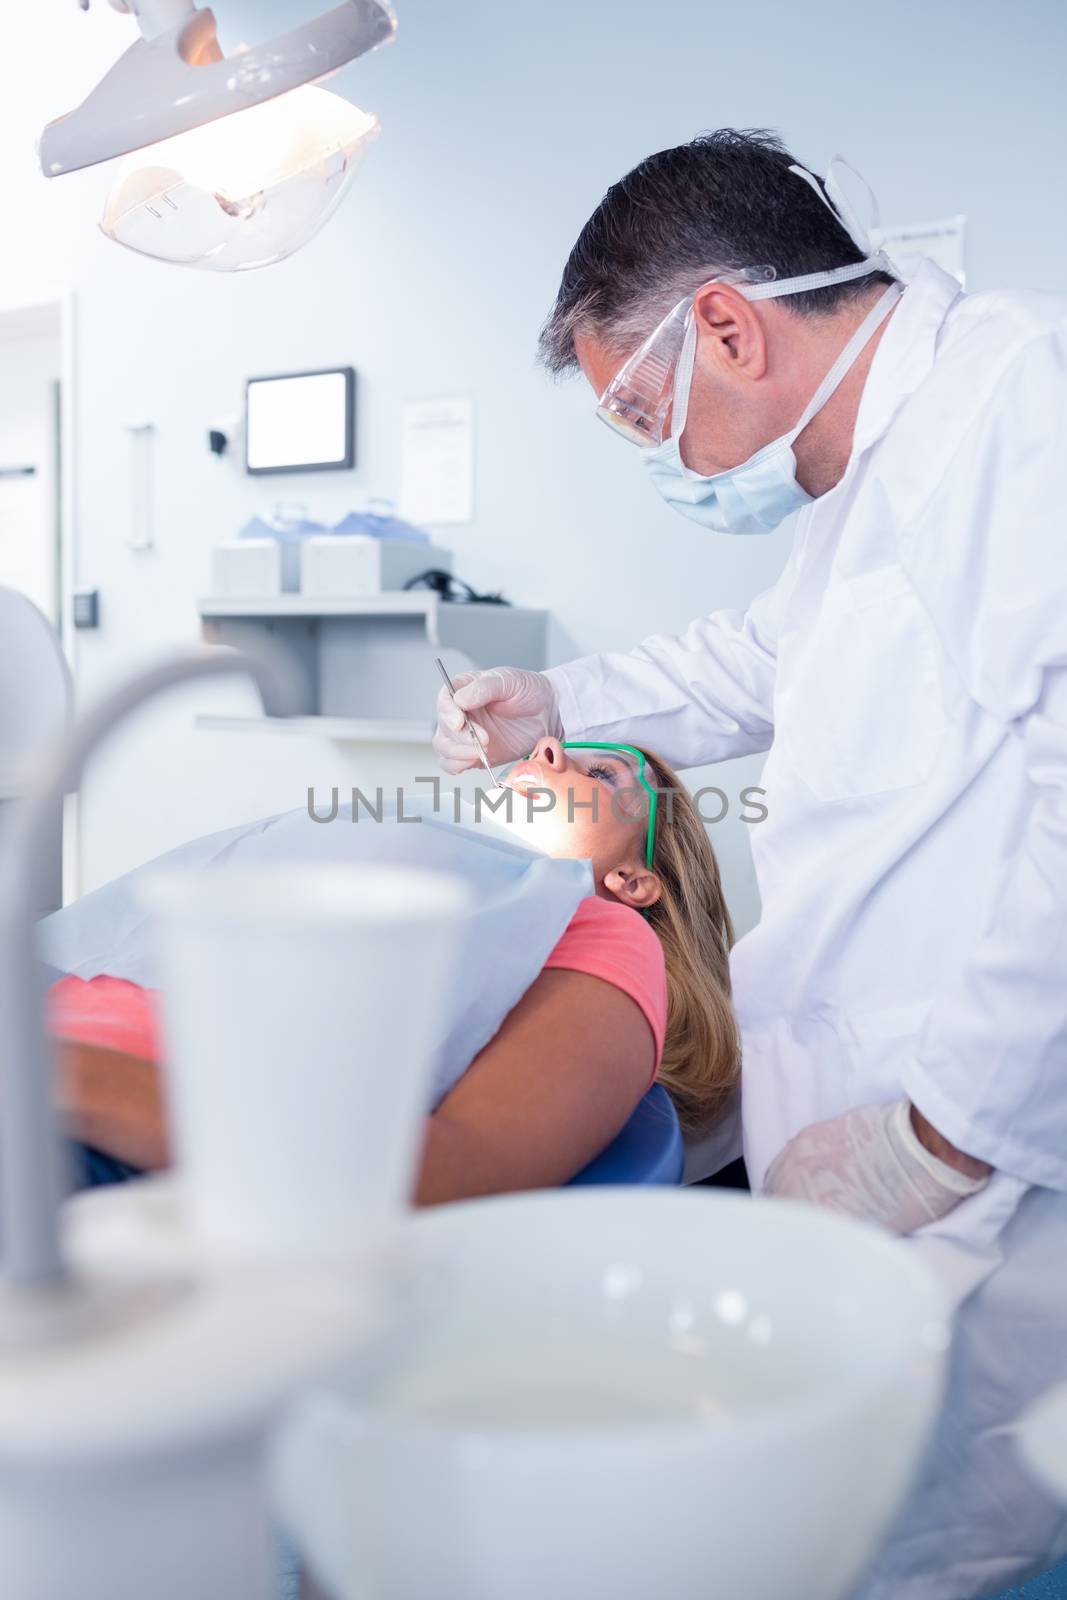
(581, 803)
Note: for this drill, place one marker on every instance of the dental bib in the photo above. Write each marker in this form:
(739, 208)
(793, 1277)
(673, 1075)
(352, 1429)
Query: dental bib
(524, 901)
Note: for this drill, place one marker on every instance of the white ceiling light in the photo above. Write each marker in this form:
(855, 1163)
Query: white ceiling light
(231, 161)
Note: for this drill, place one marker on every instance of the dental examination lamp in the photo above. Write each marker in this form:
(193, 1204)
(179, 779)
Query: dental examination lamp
(231, 162)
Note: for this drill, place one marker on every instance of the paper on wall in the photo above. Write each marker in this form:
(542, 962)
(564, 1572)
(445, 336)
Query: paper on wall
(437, 461)
(908, 243)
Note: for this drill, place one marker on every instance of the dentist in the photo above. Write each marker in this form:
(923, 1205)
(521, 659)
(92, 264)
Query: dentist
(903, 1001)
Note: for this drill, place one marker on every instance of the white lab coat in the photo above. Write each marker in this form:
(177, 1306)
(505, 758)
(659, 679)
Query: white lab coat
(908, 675)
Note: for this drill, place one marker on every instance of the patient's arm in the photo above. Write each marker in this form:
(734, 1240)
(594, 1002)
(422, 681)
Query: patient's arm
(113, 1102)
(550, 1090)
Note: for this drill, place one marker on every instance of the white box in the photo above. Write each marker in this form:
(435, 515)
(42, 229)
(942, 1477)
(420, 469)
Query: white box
(247, 568)
(358, 564)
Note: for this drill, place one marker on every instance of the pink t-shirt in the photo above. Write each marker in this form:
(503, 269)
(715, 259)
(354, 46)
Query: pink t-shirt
(106, 1011)
(611, 941)
(603, 938)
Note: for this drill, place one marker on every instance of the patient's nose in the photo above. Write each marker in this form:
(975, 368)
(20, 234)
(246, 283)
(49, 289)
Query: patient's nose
(550, 753)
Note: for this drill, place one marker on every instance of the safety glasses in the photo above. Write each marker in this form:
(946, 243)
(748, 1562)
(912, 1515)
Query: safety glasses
(637, 401)
(636, 764)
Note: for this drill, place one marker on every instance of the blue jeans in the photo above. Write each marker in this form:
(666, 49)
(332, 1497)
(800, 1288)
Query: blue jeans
(92, 1169)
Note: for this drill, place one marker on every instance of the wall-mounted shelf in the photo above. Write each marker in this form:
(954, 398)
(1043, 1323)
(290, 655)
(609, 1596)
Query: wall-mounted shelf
(366, 662)
(399, 603)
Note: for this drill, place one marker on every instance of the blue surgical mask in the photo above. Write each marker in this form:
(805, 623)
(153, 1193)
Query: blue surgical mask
(760, 493)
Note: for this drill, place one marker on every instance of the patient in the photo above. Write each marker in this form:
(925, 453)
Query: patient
(635, 991)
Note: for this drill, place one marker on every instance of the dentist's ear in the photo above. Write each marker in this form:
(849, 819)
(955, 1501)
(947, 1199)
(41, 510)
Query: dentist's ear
(634, 886)
(736, 339)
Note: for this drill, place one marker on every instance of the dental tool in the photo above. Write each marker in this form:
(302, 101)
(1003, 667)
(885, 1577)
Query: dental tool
(467, 723)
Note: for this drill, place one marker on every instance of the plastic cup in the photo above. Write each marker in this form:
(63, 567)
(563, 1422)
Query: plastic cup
(301, 1008)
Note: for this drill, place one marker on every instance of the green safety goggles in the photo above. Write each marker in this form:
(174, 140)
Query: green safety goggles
(639, 758)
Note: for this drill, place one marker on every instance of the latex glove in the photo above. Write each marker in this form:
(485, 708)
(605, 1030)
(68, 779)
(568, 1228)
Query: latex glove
(871, 1164)
(510, 709)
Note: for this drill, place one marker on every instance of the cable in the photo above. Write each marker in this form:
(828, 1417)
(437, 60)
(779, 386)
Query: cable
(452, 588)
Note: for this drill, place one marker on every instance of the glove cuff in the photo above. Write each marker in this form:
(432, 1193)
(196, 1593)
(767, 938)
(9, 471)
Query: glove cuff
(955, 1182)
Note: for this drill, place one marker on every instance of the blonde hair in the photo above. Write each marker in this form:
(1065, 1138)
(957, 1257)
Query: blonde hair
(701, 1063)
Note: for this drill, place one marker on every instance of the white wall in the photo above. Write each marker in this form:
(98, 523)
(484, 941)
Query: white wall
(503, 124)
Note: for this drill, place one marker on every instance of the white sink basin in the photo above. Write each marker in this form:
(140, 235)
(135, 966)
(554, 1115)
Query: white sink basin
(627, 1393)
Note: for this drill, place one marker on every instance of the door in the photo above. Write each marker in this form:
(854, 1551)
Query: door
(33, 698)
(30, 366)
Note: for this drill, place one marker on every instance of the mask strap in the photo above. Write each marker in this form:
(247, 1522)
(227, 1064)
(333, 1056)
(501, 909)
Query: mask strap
(683, 378)
(873, 320)
(833, 197)
(878, 262)
(836, 202)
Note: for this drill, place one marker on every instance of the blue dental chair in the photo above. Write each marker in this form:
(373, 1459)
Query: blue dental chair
(649, 1149)
(1051, 1585)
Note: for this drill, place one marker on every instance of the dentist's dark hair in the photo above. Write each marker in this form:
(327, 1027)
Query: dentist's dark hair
(722, 202)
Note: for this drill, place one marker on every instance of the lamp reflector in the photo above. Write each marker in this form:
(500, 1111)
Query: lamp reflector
(242, 191)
